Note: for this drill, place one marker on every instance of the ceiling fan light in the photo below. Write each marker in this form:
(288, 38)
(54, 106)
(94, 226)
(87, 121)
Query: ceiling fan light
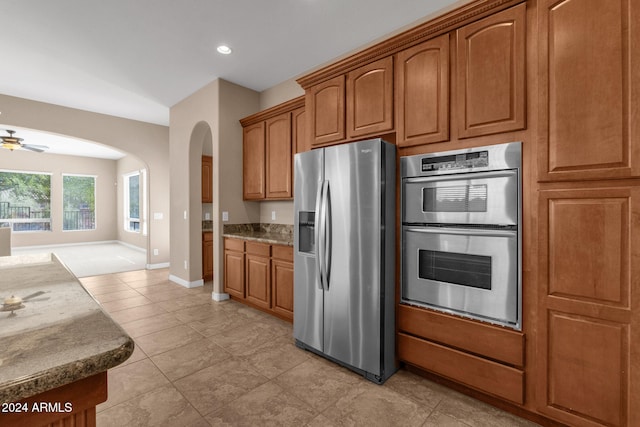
(224, 49)
(11, 145)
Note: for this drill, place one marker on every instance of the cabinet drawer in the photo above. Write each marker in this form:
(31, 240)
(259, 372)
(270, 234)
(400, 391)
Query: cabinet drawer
(207, 237)
(234, 245)
(481, 374)
(261, 249)
(488, 341)
(282, 252)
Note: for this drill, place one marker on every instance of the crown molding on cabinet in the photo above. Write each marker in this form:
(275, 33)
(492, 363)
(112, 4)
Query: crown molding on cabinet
(285, 107)
(440, 25)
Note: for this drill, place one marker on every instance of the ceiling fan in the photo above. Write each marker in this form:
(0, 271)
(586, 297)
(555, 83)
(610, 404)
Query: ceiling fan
(11, 142)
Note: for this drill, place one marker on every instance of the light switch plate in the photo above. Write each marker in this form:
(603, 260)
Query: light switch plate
(225, 216)
(273, 215)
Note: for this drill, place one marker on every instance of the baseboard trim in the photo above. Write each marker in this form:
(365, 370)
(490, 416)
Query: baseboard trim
(157, 266)
(219, 297)
(186, 284)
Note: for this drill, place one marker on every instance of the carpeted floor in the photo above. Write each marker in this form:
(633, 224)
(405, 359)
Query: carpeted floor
(95, 258)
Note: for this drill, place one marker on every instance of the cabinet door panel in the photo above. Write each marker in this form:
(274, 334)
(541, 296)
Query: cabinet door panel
(325, 102)
(491, 74)
(278, 164)
(299, 134)
(589, 104)
(207, 191)
(234, 273)
(370, 98)
(282, 284)
(422, 93)
(258, 281)
(253, 162)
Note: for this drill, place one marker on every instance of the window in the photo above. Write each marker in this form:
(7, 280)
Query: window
(25, 201)
(135, 208)
(79, 201)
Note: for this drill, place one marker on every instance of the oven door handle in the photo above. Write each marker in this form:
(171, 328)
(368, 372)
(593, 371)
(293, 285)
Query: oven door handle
(507, 173)
(462, 231)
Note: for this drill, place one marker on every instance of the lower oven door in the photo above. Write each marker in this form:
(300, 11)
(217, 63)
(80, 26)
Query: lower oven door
(471, 272)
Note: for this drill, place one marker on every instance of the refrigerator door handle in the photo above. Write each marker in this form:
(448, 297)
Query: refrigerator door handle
(319, 221)
(327, 241)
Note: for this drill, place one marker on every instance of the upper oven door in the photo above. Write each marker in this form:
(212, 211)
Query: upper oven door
(471, 198)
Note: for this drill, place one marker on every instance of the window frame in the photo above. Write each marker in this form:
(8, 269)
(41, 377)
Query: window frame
(95, 201)
(49, 220)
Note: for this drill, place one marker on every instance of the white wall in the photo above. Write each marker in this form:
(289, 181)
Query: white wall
(57, 165)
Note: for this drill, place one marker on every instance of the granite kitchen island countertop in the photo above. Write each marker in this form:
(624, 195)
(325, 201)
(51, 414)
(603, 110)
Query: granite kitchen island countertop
(58, 335)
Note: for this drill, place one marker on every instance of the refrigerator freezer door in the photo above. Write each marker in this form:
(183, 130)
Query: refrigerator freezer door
(308, 293)
(352, 303)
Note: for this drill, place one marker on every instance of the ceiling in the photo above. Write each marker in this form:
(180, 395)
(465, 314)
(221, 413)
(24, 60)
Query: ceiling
(136, 59)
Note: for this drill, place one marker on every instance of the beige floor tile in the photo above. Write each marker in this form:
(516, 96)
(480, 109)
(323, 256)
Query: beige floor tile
(163, 287)
(122, 304)
(201, 311)
(276, 357)
(129, 381)
(107, 288)
(424, 392)
(163, 295)
(437, 419)
(245, 339)
(370, 404)
(136, 356)
(320, 421)
(218, 322)
(211, 388)
(478, 414)
(104, 279)
(136, 313)
(189, 358)
(113, 296)
(148, 325)
(267, 404)
(146, 282)
(164, 406)
(318, 382)
(183, 302)
(168, 339)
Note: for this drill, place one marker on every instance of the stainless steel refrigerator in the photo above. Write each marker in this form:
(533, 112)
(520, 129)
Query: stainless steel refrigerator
(344, 255)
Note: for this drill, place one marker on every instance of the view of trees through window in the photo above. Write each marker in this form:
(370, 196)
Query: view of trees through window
(132, 202)
(25, 201)
(79, 199)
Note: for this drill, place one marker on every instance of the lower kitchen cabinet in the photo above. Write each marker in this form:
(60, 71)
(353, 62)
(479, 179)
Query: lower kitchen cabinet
(234, 267)
(207, 256)
(260, 275)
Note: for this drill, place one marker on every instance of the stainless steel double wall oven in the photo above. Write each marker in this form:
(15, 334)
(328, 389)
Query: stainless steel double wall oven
(461, 232)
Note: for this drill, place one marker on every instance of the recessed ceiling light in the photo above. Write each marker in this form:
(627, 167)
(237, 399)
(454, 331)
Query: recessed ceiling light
(223, 49)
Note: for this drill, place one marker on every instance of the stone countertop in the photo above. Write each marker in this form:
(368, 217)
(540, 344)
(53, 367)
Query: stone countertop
(61, 335)
(262, 236)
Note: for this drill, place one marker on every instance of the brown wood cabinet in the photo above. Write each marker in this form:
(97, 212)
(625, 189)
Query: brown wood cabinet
(422, 93)
(282, 280)
(234, 267)
(253, 162)
(207, 184)
(587, 262)
(260, 275)
(269, 140)
(278, 157)
(325, 103)
(299, 137)
(491, 74)
(369, 91)
(589, 89)
(207, 255)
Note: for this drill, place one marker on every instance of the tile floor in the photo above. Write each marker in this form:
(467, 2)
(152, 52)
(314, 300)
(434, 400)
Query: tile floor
(202, 363)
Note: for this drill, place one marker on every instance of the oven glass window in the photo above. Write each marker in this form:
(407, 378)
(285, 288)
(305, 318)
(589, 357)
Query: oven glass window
(459, 269)
(461, 198)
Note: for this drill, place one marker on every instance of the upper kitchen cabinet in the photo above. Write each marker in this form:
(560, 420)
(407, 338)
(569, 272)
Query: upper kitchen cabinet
(352, 105)
(279, 161)
(490, 74)
(589, 89)
(370, 99)
(269, 138)
(207, 184)
(253, 162)
(299, 136)
(325, 102)
(422, 93)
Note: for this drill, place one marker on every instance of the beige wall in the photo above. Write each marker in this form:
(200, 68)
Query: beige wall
(217, 108)
(57, 165)
(148, 142)
(127, 165)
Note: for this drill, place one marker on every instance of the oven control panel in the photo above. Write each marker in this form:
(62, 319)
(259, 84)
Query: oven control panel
(477, 159)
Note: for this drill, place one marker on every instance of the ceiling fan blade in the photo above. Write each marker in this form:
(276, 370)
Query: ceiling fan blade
(36, 148)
